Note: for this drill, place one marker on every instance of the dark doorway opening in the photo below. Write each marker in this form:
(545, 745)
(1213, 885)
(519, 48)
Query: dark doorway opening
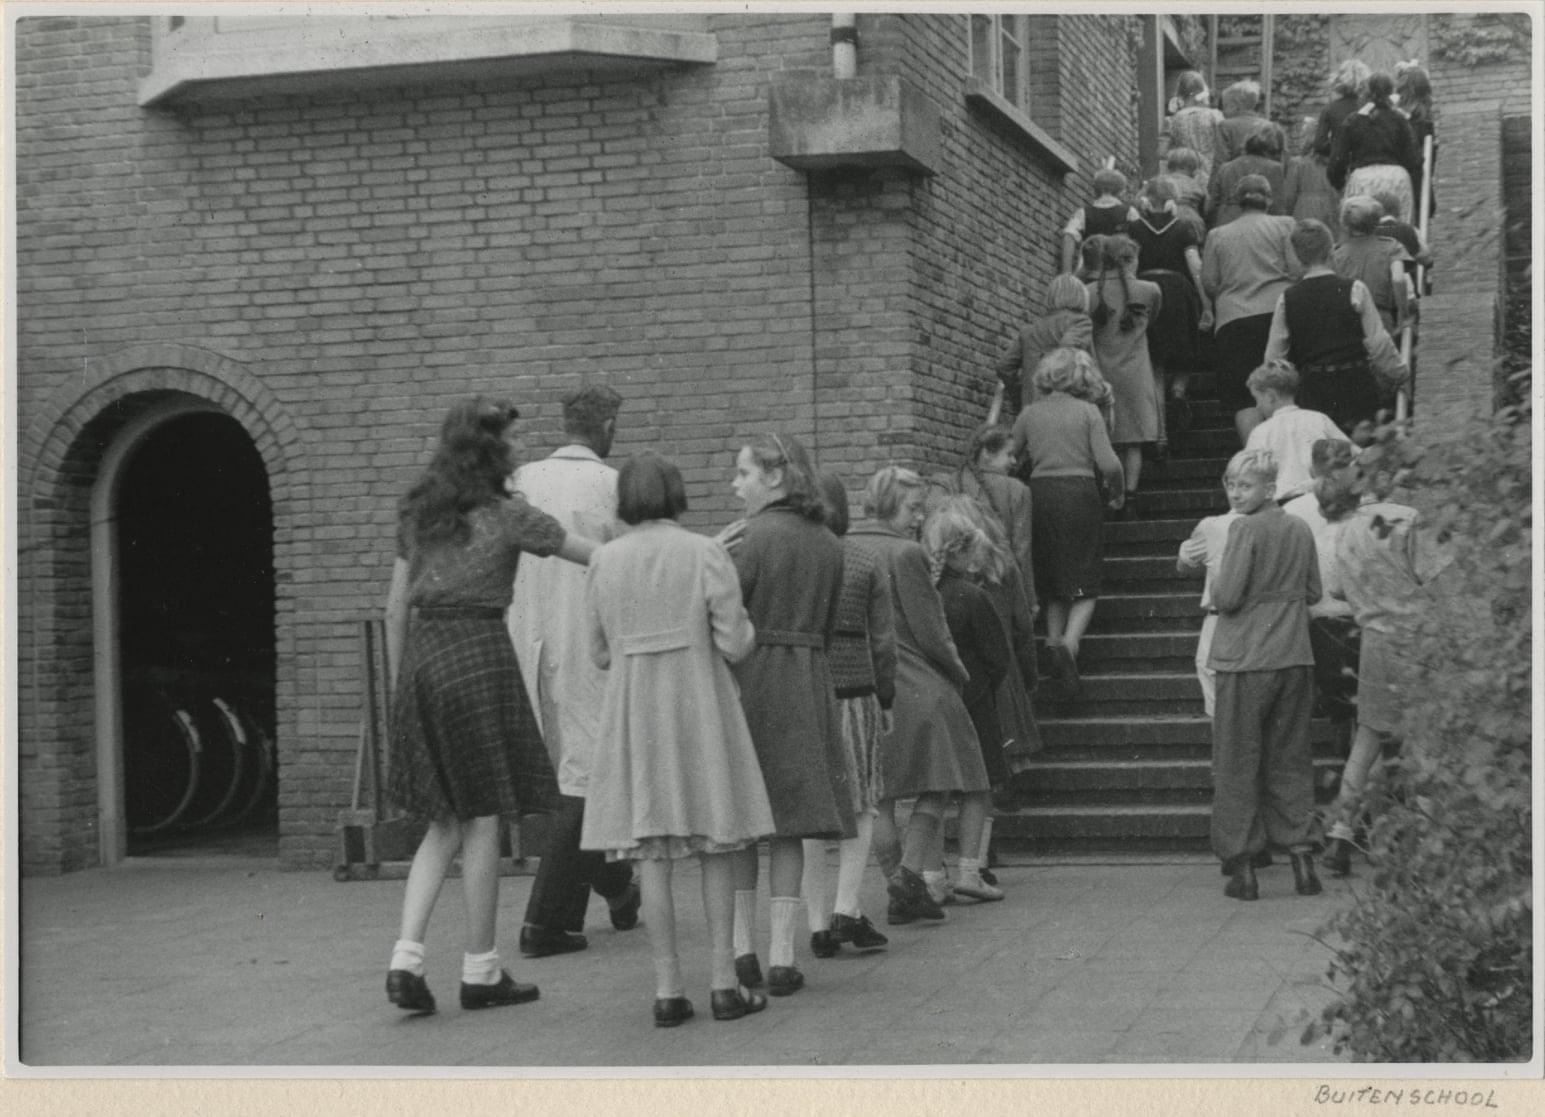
(196, 641)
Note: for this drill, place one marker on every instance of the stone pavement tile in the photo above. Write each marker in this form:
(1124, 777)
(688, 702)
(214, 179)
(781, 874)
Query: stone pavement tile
(1165, 1037)
(1047, 1047)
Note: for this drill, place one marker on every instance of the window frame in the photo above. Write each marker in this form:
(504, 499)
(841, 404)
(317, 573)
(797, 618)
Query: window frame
(984, 84)
(1001, 28)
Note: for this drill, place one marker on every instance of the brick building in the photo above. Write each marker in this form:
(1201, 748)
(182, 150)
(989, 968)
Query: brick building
(258, 258)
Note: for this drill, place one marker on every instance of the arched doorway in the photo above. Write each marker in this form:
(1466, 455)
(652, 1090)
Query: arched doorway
(190, 590)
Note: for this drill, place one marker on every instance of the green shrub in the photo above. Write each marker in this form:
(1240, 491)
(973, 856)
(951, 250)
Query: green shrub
(1433, 958)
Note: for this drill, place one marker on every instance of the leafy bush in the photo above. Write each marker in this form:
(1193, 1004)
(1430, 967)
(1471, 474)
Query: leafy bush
(1433, 961)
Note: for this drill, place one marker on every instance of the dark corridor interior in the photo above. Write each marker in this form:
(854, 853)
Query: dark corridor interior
(196, 609)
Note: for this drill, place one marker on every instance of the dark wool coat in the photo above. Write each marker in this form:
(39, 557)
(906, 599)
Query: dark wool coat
(790, 576)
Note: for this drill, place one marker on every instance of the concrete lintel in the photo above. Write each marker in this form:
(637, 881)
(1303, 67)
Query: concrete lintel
(881, 121)
(298, 58)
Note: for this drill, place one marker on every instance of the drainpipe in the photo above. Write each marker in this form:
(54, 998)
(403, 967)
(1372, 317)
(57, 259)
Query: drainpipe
(844, 45)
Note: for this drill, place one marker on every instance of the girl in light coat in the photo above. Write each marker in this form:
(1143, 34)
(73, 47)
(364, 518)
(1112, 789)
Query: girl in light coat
(675, 772)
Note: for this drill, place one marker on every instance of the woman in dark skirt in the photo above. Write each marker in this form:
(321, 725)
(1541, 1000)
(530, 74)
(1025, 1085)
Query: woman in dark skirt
(1169, 254)
(1063, 440)
(464, 743)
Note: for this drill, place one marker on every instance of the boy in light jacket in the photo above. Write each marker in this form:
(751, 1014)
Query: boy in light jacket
(1263, 770)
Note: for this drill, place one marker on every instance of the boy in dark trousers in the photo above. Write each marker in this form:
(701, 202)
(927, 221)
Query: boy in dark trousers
(1262, 768)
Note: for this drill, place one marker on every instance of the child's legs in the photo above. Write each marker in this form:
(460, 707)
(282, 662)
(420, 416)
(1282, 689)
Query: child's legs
(719, 908)
(1288, 761)
(854, 856)
(1132, 464)
(1354, 778)
(431, 863)
(813, 885)
(660, 921)
(973, 816)
(1204, 674)
(480, 880)
(927, 815)
(1080, 613)
(785, 865)
(1236, 765)
(887, 841)
(1056, 619)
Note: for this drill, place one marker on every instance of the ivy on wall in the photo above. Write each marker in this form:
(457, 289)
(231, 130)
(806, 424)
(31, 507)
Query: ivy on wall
(1300, 70)
(1473, 40)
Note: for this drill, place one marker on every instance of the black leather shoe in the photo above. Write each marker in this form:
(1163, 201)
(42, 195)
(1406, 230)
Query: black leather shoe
(671, 1011)
(1242, 884)
(748, 971)
(908, 888)
(505, 991)
(732, 1004)
(857, 931)
(823, 944)
(1305, 883)
(1338, 857)
(542, 942)
(624, 913)
(409, 991)
(1261, 860)
(784, 980)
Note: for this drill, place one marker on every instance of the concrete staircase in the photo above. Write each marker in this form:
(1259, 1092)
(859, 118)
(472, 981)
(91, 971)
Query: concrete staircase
(1128, 767)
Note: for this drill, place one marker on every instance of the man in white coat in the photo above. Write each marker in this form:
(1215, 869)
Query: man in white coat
(546, 621)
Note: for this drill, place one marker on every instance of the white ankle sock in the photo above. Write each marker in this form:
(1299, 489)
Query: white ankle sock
(408, 955)
(745, 921)
(970, 867)
(480, 969)
(853, 859)
(785, 913)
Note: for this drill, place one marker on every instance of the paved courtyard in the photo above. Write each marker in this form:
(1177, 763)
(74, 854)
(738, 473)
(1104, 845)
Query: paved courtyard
(1088, 962)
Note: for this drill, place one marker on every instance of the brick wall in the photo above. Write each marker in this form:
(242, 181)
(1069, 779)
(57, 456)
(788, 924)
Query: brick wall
(987, 229)
(335, 270)
(1460, 320)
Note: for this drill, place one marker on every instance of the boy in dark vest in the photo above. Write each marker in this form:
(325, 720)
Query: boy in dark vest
(1106, 216)
(1262, 766)
(1329, 329)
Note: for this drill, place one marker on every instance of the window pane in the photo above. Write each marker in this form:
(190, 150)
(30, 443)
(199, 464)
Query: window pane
(981, 47)
(1013, 85)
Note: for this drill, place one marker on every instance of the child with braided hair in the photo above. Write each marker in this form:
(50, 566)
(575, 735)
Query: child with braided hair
(1122, 306)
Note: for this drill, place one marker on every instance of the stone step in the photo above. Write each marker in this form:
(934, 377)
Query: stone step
(1205, 442)
(1151, 536)
(1108, 739)
(1171, 652)
(1186, 473)
(1147, 612)
(1181, 780)
(1149, 574)
(1086, 824)
(1180, 504)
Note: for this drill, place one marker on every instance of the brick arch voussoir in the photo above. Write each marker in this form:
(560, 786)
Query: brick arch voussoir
(175, 367)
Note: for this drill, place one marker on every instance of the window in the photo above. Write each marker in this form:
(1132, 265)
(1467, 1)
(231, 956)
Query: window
(998, 57)
(1008, 67)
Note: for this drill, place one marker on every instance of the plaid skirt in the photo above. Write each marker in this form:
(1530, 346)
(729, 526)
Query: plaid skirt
(464, 742)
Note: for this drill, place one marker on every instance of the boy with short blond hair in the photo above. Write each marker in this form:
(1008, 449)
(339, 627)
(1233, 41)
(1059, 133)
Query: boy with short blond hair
(1263, 769)
(1288, 431)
